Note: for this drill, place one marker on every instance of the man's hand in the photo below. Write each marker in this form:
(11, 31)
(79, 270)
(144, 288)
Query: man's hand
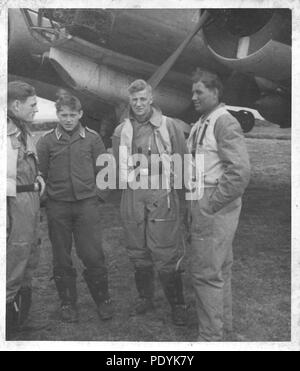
(42, 184)
(206, 204)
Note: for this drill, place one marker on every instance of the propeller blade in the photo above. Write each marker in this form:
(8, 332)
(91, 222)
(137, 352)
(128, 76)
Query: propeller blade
(160, 73)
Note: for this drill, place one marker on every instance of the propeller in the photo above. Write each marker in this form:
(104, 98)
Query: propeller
(161, 72)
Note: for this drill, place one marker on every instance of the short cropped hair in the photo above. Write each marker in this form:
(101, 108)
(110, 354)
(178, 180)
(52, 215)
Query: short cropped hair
(139, 85)
(209, 79)
(19, 90)
(70, 101)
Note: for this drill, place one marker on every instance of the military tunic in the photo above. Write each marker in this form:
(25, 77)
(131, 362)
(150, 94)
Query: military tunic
(68, 165)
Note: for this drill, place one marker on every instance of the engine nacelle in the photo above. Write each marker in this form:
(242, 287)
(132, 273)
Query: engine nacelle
(276, 109)
(255, 42)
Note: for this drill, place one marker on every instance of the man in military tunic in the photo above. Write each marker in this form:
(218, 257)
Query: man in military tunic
(68, 156)
(151, 216)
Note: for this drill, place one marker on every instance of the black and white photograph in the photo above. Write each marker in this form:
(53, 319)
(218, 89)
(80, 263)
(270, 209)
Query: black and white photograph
(151, 197)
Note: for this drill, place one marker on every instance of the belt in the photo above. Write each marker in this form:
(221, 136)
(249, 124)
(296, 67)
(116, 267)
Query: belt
(34, 187)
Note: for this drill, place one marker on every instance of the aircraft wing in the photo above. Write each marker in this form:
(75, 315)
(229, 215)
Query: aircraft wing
(101, 66)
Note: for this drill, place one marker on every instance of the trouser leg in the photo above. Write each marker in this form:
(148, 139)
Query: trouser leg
(211, 257)
(22, 257)
(12, 320)
(141, 258)
(59, 215)
(163, 240)
(65, 283)
(227, 292)
(88, 242)
(25, 292)
(144, 280)
(33, 261)
(133, 214)
(21, 241)
(173, 287)
(17, 311)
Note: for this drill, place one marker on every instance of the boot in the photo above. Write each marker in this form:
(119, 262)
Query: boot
(17, 311)
(144, 279)
(25, 300)
(173, 288)
(12, 320)
(98, 287)
(67, 292)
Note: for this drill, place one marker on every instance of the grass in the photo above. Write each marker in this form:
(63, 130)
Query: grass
(261, 274)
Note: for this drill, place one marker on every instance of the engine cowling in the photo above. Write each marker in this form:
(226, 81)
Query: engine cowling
(255, 43)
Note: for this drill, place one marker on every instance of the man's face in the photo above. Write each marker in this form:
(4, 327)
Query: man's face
(204, 99)
(68, 118)
(140, 103)
(25, 110)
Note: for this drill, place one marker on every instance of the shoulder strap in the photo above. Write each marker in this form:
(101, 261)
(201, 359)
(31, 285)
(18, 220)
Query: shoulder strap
(91, 130)
(48, 132)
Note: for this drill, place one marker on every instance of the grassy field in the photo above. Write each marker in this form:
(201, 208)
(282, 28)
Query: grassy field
(261, 273)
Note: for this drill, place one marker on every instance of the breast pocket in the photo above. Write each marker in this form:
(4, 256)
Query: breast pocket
(59, 165)
(85, 163)
(86, 154)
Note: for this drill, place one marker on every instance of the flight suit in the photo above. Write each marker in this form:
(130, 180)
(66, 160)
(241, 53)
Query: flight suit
(22, 221)
(214, 218)
(68, 165)
(151, 217)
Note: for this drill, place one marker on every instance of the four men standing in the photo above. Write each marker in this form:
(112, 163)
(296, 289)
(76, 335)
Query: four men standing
(151, 217)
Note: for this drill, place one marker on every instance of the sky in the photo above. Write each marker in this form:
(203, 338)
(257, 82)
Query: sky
(46, 110)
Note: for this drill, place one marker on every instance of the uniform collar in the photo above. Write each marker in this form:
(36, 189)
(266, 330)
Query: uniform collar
(59, 133)
(155, 118)
(13, 129)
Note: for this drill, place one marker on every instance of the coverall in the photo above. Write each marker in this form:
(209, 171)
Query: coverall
(151, 216)
(22, 218)
(214, 221)
(68, 165)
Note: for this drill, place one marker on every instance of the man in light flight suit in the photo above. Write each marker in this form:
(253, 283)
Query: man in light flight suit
(23, 186)
(151, 216)
(214, 217)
